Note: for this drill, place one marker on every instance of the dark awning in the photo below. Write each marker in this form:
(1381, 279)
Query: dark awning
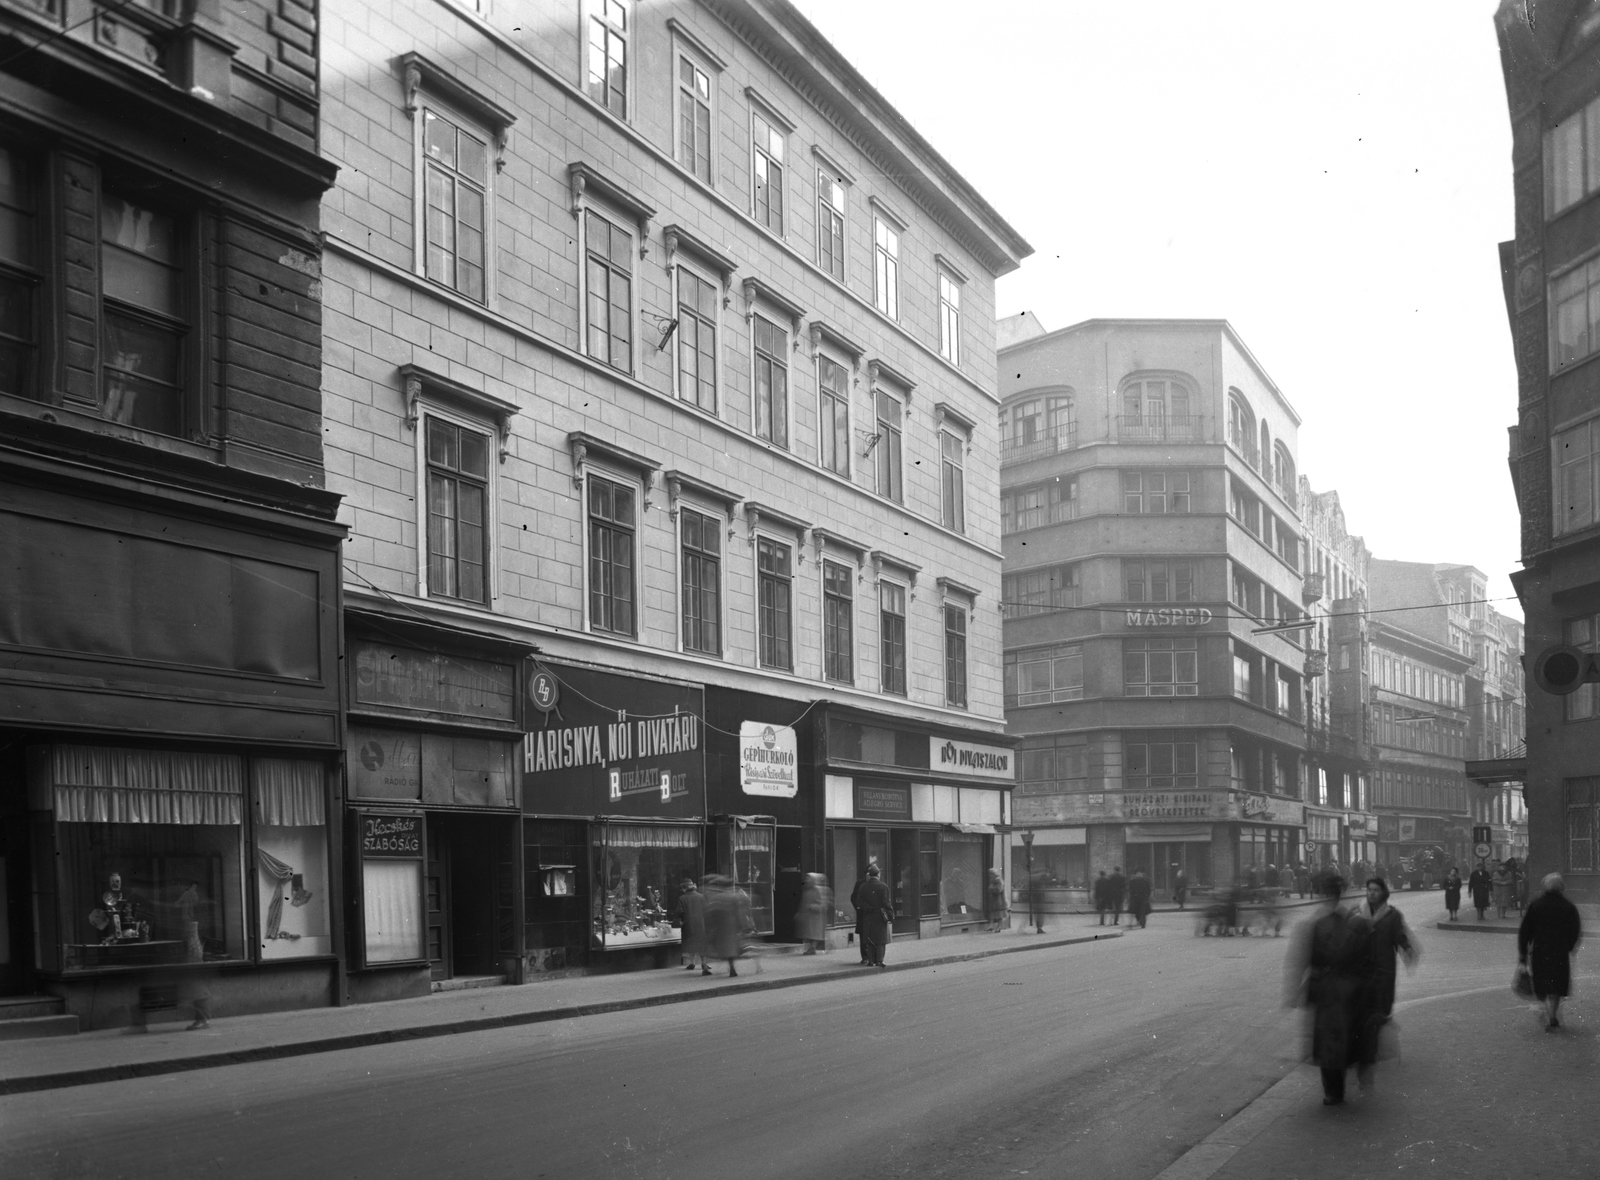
(1490, 772)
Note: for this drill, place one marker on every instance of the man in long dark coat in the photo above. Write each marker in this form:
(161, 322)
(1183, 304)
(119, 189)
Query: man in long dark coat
(1552, 929)
(1139, 896)
(1102, 896)
(692, 916)
(874, 911)
(1327, 973)
(1479, 885)
(855, 904)
(1116, 893)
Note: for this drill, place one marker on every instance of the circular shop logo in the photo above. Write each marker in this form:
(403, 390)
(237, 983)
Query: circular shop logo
(372, 756)
(768, 738)
(544, 691)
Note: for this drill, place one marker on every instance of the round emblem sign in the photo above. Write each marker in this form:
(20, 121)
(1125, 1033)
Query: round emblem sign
(1311, 846)
(1482, 851)
(544, 691)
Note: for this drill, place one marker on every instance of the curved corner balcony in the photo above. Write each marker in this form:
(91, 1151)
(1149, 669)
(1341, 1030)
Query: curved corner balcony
(1030, 444)
(1158, 428)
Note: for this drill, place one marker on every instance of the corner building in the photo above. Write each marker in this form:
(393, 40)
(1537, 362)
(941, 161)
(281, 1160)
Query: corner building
(1154, 636)
(169, 688)
(660, 386)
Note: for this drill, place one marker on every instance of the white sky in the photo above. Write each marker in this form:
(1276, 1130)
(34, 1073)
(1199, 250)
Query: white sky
(1333, 179)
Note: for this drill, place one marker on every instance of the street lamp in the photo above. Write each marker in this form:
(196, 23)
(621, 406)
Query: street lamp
(1033, 916)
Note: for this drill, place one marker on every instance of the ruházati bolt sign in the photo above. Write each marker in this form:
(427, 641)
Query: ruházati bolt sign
(769, 762)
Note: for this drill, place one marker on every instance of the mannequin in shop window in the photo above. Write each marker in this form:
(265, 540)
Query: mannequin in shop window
(118, 920)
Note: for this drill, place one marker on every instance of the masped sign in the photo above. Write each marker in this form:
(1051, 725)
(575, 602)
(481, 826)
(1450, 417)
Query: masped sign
(606, 745)
(769, 762)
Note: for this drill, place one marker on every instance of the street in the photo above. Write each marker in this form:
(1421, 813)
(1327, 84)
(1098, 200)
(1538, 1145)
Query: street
(1106, 1060)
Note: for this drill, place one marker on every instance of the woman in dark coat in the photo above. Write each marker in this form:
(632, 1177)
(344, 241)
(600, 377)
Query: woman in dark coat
(1387, 939)
(1478, 885)
(1550, 926)
(875, 913)
(1328, 974)
(1452, 892)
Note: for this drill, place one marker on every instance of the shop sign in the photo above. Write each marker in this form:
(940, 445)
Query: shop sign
(1408, 828)
(1356, 823)
(882, 801)
(1265, 809)
(1174, 805)
(429, 682)
(1388, 829)
(949, 756)
(384, 764)
(769, 762)
(391, 836)
(614, 745)
(1191, 616)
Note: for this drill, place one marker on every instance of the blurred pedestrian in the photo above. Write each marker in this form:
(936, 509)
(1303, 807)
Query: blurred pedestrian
(1102, 896)
(1180, 887)
(1478, 885)
(1116, 893)
(1452, 892)
(999, 902)
(1327, 974)
(1388, 938)
(1502, 889)
(1252, 878)
(811, 920)
(876, 913)
(855, 904)
(1551, 930)
(728, 919)
(692, 921)
(1302, 878)
(1270, 877)
(1139, 896)
(1038, 882)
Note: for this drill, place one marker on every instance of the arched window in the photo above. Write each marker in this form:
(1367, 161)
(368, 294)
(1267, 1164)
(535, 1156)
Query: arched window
(1241, 424)
(1266, 451)
(1039, 424)
(1155, 408)
(1287, 482)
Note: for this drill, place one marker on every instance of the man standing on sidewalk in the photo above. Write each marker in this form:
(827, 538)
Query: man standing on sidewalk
(1139, 896)
(1116, 893)
(1102, 896)
(1478, 885)
(1180, 887)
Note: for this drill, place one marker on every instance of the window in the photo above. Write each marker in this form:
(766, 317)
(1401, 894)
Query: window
(1154, 402)
(1577, 485)
(144, 324)
(1583, 794)
(458, 491)
(1287, 544)
(887, 444)
(833, 415)
(1160, 765)
(1283, 466)
(1241, 426)
(701, 540)
(1158, 581)
(1583, 633)
(830, 223)
(1155, 492)
(1039, 591)
(1246, 592)
(955, 657)
(1243, 677)
(1042, 675)
(608, 54)
(697, 340)
(694, 117)
(455, 194)
(1160, 668)
(949, 318)
(767, 168)
(772, 381)
(609, 251)
(886, 268)
(773, 594)
(892, 628)
(1572, 159)
(1575, 314)
(1045, 503)
(611, 529)
(1244, 507)
(1038, 426)
(18, 276)
(838, 623)
(953, 481)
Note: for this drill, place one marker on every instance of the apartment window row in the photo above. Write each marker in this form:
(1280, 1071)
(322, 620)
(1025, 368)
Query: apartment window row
(1042, 675)
(1041, 591)
(1052, 763)
(1154, 763)
(1156, 493)
(1157, 581)
(1160, 668)
(1420, 789)
(1575, 314)
(1577, 472)
(1273, 532)
(1264, 681)
(1037, 426)
(1256, 768)
(1040, 504)
(1398, 674)
(1404, 727)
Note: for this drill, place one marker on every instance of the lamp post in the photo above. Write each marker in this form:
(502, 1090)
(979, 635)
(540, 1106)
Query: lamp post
(1033, 916)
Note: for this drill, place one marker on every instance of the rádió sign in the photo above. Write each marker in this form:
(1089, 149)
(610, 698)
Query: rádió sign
(769, 762)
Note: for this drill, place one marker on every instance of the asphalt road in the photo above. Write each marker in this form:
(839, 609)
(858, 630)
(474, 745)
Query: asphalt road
(1104, 1060)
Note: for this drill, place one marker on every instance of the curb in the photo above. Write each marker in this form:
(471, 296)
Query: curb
(148, 1069)
(1476, 928)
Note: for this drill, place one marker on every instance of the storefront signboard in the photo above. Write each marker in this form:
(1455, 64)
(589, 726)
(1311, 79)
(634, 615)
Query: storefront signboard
(769, 762)
(882, 801)
(972, 760)
(1408, 828)
(1192, 616)
(390, 677)
(1388, 828)
(391, 836)
(1174, 805)
(384, 764)
(615, 745)
(1264, 809)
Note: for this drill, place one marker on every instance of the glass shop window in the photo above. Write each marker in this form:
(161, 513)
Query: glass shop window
(962, 885)
(291, 858)
(638, 872)
(846, 864)
(754, 868)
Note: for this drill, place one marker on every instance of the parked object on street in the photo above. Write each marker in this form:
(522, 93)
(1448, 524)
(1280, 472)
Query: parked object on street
(1327, 974)
(1452, 892)
(1550, 932)
(999, 902)
(811, 920)
(876, 912)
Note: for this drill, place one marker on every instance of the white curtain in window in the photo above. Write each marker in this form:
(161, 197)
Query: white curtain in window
(95, 784)
(391, 891)
(639, 836)
(288, 792)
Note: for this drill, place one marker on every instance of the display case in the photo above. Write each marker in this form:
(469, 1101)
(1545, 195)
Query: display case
(638, 875)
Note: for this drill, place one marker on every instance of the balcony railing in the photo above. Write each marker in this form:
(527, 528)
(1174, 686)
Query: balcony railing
(1311, 588)
(1247, 448)
(1016, 448)
(1162, 428)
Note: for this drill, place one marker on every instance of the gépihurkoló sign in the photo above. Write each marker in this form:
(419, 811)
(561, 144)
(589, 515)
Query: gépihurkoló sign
(614, 745)
(769, 762)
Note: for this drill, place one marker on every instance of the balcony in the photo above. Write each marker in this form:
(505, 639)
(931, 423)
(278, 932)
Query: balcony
(1158, 428)
(1316, 663)
(1290, 497)
(1031, 445)
(1311, 588)
(1247, 448)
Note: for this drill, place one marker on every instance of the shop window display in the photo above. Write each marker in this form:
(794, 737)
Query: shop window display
(291, 858)
(753, 867)
(638, 870)
(1065, 866)
(961, 887)
(845, 869)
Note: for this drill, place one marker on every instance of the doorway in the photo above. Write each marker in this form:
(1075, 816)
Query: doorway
(790, 881)
(467, 856)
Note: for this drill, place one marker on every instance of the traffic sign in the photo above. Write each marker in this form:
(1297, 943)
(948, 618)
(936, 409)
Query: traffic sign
(1482, 851)
(1311, 846)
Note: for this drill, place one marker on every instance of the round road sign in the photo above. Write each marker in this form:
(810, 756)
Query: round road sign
(1482, 851)
(1311, 846)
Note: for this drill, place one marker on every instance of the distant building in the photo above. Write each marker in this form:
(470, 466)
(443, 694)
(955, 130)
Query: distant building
(1550, 52)
(1155, 637)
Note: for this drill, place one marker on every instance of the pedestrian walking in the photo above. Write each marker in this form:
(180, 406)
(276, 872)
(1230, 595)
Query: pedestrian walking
(855, 904)
(1139, 896)
(1180, 887)
(1116, 893)
(999, 902)
(1502, 889)
(1452, 892)
(1549, 933)
(1102, 896)
(728, 920)
(1302, 878)
(1327, 975)
(875, 912)
(1388, 939)
(1270, 877)
(811, 920)
(1038, 881)
(692, 923)
(1478, 885)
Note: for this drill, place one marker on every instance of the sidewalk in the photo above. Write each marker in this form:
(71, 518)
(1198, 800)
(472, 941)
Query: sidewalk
(113, 1054)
